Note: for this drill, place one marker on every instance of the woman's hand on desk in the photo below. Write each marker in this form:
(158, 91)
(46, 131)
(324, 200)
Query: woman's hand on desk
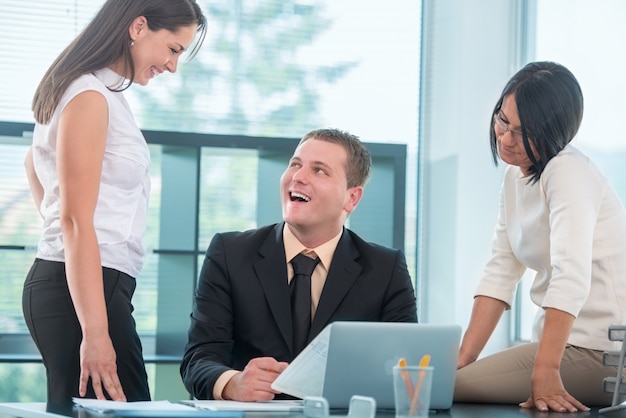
(547, 390)
(254, 382)
(548, 394)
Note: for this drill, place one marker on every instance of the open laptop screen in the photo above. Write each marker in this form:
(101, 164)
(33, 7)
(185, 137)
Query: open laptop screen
(356, 358)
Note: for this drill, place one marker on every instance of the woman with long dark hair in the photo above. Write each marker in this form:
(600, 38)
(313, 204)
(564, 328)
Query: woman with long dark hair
(88, 170)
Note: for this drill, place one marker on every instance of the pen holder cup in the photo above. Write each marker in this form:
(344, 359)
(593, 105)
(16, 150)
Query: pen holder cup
(412, 386)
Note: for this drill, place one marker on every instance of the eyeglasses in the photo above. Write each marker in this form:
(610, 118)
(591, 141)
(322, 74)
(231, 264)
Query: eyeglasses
(503, 126)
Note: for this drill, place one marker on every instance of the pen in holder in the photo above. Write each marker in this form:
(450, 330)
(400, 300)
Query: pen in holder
(415, 398)
(412, 387)
(405, 375)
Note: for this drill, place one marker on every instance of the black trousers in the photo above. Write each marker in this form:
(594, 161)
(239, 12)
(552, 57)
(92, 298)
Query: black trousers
(53, 324)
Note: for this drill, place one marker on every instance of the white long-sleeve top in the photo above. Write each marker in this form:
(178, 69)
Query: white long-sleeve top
(570, 228)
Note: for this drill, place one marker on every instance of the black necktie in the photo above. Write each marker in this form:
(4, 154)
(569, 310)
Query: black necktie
(300, 289)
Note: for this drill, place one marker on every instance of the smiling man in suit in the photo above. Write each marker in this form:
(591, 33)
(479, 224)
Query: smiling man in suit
(242, 332)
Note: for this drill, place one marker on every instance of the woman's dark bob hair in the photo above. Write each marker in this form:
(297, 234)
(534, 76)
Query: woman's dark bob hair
(550, 109)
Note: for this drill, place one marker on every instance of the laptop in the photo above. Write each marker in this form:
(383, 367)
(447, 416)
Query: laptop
(356, 358)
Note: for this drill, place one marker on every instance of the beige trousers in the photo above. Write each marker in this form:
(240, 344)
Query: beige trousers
(504, 377)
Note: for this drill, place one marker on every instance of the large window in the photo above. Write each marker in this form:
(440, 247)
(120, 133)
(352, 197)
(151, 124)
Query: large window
(268, 69)
(278, 68)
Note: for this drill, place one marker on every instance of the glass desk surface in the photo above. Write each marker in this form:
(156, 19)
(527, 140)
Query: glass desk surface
(38, 410)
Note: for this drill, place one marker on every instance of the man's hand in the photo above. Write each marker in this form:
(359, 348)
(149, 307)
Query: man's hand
(254, 382)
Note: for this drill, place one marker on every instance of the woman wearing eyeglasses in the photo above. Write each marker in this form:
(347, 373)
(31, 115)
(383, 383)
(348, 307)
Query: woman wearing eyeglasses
(560, 218)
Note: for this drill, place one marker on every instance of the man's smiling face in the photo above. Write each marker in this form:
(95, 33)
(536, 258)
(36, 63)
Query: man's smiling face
(314, 191)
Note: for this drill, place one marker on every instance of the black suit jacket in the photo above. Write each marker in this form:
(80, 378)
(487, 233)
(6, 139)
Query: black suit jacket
(242, 306)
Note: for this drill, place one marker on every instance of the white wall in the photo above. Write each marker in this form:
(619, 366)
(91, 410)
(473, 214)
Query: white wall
(470, 49)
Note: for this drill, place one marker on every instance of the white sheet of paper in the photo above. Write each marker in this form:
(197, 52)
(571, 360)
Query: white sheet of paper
(305, 374)
(270, 406)
(102, 406)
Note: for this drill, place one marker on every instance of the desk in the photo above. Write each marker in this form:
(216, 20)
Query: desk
(38, 410)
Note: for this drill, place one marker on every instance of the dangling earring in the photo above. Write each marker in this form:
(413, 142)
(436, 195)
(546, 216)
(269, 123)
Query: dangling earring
(132, 43)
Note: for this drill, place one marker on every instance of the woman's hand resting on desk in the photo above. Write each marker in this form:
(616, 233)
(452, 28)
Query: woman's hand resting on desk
(548, 394)
(254, 382)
